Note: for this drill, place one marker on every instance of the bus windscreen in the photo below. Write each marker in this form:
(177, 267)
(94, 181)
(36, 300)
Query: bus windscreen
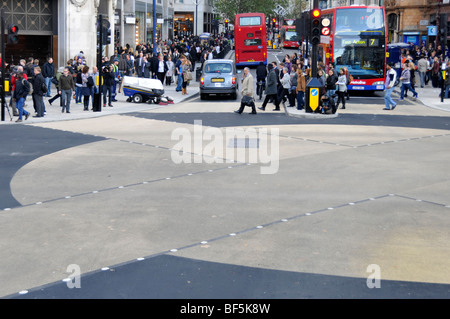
(359, 42)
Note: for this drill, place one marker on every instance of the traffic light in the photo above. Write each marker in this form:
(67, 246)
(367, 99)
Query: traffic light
(106, 32)
(13, 37)
(316, 27)
(226, 23)
(274, 23)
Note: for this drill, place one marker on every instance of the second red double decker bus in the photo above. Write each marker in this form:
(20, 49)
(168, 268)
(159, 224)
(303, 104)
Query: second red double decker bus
(288, 34)
(250, 39)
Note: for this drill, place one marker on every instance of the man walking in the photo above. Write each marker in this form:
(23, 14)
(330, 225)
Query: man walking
(48, 72)
(391, 77)
(247, 92)
(271, 89)
(422, 67)
(38, 94)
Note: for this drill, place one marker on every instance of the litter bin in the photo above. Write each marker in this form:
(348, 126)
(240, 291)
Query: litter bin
(198, 74)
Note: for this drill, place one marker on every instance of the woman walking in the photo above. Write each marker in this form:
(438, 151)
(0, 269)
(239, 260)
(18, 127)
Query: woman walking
(86, 87)
(186, 71)
(301, 87)
(21, 90)
(342, 88)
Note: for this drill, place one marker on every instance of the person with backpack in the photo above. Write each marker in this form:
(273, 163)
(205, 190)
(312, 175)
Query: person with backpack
(22, 88)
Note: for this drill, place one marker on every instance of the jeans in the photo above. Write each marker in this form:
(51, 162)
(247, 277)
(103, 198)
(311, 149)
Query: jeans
(78, 94)
(19, 104)
(422, 78)
(300, 100)
(330, 93)
(48, 84)
(409, 87)
(388, 99)
(180, 82)
(447, 88)
(66, 96)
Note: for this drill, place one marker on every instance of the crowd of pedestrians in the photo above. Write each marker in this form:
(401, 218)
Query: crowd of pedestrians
(285, 82)
(424, 66)
(171, 61)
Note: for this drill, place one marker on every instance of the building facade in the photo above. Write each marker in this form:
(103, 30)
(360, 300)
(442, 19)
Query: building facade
(62, 28)
(415, 21)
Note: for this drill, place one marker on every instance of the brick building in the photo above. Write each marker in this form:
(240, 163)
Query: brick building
(414, 20)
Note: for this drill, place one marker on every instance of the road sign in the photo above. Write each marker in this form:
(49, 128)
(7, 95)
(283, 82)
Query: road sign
(314, 98)
(325, 31)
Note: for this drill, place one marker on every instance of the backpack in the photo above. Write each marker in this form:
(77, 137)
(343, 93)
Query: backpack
(44, 88)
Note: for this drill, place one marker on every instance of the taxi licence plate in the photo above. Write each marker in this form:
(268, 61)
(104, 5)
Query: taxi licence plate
(217, 80)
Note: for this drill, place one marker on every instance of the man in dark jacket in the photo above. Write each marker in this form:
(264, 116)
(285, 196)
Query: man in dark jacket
(271, 89)
(48, 72)
(38, 94)
(108, 82)
(154, 65)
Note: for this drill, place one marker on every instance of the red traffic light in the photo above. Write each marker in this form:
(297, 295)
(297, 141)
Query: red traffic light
(13, 37)
(274, 20)
(316, 13)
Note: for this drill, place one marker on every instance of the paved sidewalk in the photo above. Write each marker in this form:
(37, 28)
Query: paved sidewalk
(428, 96)
(53, 112)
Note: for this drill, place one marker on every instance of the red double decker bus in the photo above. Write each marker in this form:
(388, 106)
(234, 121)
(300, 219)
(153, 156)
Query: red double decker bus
(358, 42)
(288, 34)
(250, 39)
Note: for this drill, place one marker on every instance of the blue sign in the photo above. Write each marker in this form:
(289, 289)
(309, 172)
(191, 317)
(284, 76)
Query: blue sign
(432, 30)
(314, 92)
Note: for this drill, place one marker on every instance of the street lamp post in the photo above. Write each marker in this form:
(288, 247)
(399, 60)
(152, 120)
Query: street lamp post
(154, 26)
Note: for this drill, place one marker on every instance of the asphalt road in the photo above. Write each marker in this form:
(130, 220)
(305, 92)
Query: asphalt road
(356, 207)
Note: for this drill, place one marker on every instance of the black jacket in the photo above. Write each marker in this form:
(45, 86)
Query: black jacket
(331, 82)
(108, 78)
(21, 89)
(261, 72)
(48, 70)
(38, 82)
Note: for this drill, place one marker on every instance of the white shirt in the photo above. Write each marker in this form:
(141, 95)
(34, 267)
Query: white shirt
(161, 66)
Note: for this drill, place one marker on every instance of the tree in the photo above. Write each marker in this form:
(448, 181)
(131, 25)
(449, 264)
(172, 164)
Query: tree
(298, 7)
(229, 8)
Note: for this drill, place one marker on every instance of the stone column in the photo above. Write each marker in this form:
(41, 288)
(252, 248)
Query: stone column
(77, 30)
(129, 35)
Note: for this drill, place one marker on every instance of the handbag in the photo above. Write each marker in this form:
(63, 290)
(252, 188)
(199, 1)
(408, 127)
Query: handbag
(187, 76)
(247, 100)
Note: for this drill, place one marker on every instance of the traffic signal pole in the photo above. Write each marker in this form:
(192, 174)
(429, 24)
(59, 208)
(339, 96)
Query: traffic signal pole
(3, 64)
(314, 87)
